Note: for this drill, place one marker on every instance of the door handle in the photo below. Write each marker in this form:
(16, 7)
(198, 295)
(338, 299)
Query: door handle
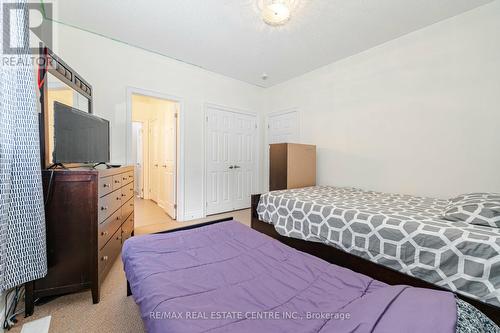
(164, 165)
(237, 167)
(231, 167)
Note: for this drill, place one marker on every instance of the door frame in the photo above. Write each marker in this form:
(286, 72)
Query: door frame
(205, 144)
(180, 168)
(141, 193)
(265, 179)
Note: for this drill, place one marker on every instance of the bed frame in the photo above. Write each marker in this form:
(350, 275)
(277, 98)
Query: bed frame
(341, 258)
(358, 264)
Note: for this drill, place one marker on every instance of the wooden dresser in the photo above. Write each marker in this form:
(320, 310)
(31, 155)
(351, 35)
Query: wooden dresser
(89, 214)
(291, 165)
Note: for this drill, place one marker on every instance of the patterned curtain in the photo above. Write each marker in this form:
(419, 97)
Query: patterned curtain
(22, 223)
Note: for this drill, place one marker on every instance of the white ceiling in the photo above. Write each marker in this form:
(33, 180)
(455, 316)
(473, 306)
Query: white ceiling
(228, 36)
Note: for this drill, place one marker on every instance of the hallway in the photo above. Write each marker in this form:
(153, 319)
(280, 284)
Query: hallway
(150, 218)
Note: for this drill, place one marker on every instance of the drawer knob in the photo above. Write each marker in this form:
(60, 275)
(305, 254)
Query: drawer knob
(117, 237)
(117, 218)
(104, 258)
(130, 176)
(123, 194)
(104, 233)
(117, 182)
(124, 178)
(104, 207)
(118, 198)
(131, 204)
(105, 185)
(131, 189)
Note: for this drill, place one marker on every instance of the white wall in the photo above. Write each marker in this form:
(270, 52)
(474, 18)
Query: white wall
(418, 115)
(111, 67)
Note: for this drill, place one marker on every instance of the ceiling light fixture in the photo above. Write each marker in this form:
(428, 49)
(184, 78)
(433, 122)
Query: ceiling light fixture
(276, 12)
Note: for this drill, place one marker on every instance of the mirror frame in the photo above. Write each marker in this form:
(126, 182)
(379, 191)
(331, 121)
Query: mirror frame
(49, 62)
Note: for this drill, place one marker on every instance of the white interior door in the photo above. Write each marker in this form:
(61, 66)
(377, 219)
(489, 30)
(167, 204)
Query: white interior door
(283, 127)
(154, 161)
(169, 158)
(137, 155)
(219, 175)
(162, 151)
(244, 143)
(230, 160)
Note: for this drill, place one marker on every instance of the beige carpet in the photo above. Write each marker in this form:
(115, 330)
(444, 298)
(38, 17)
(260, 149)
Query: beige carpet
(115, 312)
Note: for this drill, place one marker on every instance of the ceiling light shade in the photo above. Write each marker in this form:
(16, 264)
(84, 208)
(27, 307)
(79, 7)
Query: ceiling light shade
(276, 12)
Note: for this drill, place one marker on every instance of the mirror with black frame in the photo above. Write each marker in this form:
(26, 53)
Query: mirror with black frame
(58, 91)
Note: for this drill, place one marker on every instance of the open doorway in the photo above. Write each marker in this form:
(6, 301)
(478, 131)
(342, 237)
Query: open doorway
(154, 154)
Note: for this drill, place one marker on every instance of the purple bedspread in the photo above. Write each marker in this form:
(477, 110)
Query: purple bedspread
(226, 277)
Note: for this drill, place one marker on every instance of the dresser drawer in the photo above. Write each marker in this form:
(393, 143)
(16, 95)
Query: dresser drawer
(117, 182)
(127, 177)
(124, 178)
(130, 176)
(110, 251)
(109, 227)
(127, 209)
(105, 186)
(108, 204)
(128, 191)
(127, 228)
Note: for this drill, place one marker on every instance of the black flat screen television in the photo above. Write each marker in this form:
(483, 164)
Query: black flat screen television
(79, 137)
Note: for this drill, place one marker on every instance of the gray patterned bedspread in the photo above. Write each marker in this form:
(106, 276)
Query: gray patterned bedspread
(402, 232)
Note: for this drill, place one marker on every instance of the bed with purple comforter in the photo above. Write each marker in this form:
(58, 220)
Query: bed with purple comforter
(226, 277)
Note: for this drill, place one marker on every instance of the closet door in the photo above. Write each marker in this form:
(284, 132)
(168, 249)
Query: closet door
(219, 192)
(230, 160)
(244, 148)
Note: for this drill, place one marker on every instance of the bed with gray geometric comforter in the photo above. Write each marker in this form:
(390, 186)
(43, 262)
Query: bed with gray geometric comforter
(402, 232)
